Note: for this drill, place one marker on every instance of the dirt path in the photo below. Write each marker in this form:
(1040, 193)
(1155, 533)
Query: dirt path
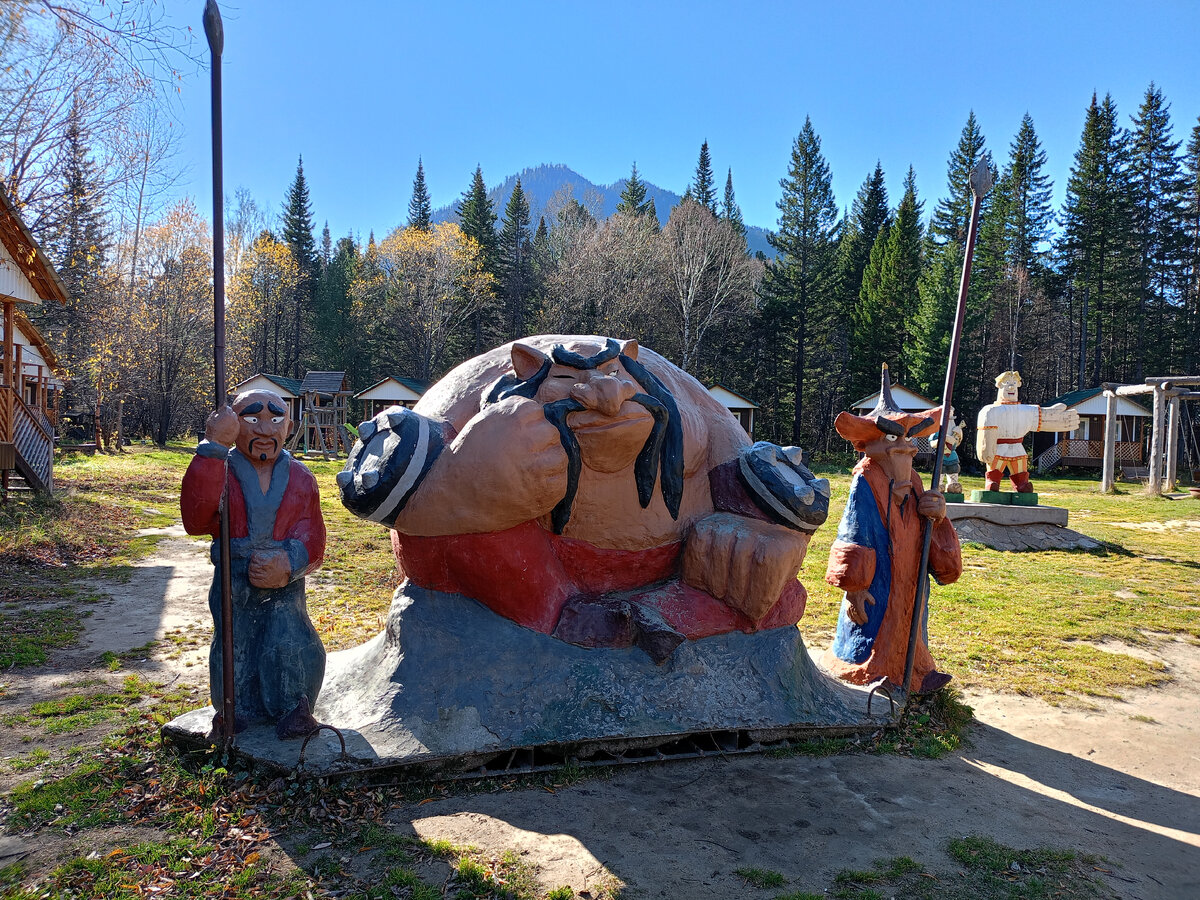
(1121, 780)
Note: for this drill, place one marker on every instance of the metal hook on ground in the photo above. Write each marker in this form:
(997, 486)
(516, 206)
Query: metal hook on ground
(312, 734)
(882, 687)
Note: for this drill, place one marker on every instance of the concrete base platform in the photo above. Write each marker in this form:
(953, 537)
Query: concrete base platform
(1006, 527)
(1006, 514)
(450, 687)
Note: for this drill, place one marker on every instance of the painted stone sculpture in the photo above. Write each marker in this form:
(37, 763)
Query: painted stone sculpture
(951, 464)
(1003, 425)
(277, 537)
(876, 556)
(590, 490)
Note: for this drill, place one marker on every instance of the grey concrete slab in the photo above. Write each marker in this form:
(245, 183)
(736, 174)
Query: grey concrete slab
(451, 684)
(1006, 514)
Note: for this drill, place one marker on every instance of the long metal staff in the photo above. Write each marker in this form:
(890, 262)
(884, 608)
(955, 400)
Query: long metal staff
(981, 183)
(215, 32)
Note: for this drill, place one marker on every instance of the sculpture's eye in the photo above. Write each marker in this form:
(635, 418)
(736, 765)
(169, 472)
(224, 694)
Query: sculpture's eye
(612, 373)
(275, 420)
(253, 420)
(890, 438)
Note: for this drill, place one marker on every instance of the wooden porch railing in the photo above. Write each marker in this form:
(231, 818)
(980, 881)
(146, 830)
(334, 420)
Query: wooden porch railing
(1077, 448)
(29, 431)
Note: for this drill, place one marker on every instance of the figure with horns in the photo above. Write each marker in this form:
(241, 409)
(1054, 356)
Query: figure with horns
(876, 556)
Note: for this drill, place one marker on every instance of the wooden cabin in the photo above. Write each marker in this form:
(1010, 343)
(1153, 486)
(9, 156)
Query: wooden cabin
(1085, 445)
(743, 408)
(29, 381)
(395, 390)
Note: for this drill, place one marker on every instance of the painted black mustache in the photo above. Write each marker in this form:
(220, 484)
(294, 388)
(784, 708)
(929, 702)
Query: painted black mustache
(645, 469)
(262, 455)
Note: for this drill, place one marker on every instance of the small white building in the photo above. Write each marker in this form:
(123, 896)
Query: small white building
(391, 391)
(287, 388)
(742, 407)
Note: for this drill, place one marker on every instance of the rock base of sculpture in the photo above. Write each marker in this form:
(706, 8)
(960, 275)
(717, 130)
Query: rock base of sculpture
(452, 687)
(1003, 526)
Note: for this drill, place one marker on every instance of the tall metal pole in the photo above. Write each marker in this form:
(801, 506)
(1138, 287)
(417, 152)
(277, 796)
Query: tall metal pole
(215, 32)
(981, 183)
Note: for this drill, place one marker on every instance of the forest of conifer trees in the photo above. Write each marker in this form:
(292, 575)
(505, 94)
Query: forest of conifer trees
(1105, 288)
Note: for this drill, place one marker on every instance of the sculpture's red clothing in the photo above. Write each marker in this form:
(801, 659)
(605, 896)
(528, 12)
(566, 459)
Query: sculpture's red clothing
(527, 574)
(298, 517)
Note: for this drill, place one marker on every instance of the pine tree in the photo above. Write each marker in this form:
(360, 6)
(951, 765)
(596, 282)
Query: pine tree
(702, 188)
(1190, 273)
(1011, 263)
(333, 344)
(888, 306)
(800, 283)
(77, 241)
(1095, 243)
(730, 211)
(1027, 191)
(952, 216)
(633, 195)
(298, 235)
(477, 218)
(1158, 195)
(867, 216)
(326, 247)
(516, 264)
(419, 207)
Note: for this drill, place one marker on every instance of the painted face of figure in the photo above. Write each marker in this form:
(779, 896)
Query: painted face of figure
(1007, 386)
(612, 428)
(894, 454)
(265, 425)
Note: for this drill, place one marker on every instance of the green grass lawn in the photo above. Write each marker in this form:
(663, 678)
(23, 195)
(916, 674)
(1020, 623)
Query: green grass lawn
(1026, 622)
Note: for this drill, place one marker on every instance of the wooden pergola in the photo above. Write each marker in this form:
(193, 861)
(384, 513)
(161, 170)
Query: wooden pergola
(1168, 391)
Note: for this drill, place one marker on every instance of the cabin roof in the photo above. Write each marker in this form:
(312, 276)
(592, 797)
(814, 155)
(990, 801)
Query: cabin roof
(728, 401)
(906, 398)
(25, 252)
(323, 382)
(289, 386)
(1073, 399)
(410, 384)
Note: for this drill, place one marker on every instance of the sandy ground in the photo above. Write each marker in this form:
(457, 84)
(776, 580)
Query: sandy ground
(1121, 780)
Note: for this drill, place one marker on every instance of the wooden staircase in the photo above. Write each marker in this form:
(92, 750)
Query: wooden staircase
(26, 441)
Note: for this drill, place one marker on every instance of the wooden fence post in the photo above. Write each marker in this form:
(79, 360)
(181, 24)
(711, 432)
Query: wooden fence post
(1108, 469)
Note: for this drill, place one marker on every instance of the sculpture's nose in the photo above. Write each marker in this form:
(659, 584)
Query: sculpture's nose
(604, 394)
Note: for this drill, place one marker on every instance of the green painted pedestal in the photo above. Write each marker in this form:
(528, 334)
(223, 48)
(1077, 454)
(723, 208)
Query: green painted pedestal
(1007, 498)
(954, 498)
(991, 497)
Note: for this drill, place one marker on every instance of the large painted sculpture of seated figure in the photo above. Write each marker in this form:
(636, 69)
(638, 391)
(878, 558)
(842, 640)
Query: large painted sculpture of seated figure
(590, 490)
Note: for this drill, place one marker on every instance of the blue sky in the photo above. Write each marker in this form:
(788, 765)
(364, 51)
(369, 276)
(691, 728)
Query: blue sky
(364, 87)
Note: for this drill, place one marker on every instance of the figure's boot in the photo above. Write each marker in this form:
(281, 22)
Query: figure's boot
(991, 481)
(298, 723)
(1021, 482)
